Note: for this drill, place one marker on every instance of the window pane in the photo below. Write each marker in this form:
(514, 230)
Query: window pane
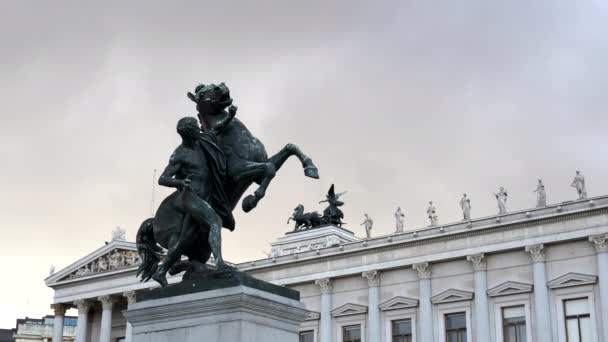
(307, 336)
(585, 324)
(402, 328)
(453, 337)
(572, 330)
(522, 333)
(577, 307)
(351, 333)
(463, 336)
(510, 334)
(456, 321)
(514, 311)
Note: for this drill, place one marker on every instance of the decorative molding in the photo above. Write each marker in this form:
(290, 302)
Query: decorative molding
(107, 302)
(130, 295)
(110, 261)
(537, 252)
(373, 278)
(572, 279)
(325, 285)
(479, 261)
(59, 309)
(349, 309)
(313, 316)
(399, 303)
(452, 295)
(509, 288)
(423, 269)
(600, 242)
(83, 305)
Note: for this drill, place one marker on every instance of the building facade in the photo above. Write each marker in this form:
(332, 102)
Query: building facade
(41, 329)
(533, 275)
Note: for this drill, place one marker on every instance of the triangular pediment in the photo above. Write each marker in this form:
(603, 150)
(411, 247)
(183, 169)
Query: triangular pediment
(452, 295)
(399, 303)
(509, 288)
(115, 256)
(349, 309)
(572, 279)
(313, 316)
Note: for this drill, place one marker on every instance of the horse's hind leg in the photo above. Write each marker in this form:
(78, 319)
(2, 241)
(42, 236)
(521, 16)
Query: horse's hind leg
(310, 170)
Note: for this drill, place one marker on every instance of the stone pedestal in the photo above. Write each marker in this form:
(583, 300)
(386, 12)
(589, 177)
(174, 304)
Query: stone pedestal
(241, 309)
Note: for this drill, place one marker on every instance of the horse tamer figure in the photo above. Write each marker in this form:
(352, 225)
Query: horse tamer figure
(211, 170)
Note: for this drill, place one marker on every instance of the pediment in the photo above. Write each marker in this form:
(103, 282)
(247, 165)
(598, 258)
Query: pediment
(509, 288)
(572, 279)
(349, 309)
(399, 303)
(114, 256)
(313, 316)
(452, 295)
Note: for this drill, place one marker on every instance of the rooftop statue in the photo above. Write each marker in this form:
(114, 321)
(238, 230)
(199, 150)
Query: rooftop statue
(465, 205)
(431, 212)
(332, 214)
(399, 220)
(501, 198)
(579, 184)
(302, 220)
(541, 195)
(211, 170)
(368, 223)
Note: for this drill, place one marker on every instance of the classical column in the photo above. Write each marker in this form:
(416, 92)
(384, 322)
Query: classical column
(482, 315)
(326, 288)
(541, 294)
(373, 313)
(130, 295)
(600, 242)
(425, 320)
(58, 321)
(105, 331)
(83, 315)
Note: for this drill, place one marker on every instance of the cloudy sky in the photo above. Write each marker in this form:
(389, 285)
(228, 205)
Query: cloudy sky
(398, 102)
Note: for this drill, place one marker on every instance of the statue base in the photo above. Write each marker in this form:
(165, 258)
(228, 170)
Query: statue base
(216, 307)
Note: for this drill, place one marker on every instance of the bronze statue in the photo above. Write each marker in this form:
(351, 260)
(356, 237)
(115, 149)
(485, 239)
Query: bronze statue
(304, 220)
(332, 214)
(211, 169)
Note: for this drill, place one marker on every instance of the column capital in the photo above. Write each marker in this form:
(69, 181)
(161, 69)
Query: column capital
(373, 278)
(107, 302)
(130, 295)
(479, 261)
(83, 305)
(59, 308)
(325, 285)
(537, 252)
(600, 242)
(423, 269)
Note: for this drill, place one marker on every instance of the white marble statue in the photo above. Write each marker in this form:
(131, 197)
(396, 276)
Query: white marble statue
(579, 184)
(119, 234)
(368, 223)
(465, 204)
(431, 212)
(52, 270)
(501, 198)
(541, 195)
(102, 265)
(115, 260)
(399, 220)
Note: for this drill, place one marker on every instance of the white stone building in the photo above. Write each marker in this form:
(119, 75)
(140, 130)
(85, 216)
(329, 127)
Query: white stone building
(537, 275)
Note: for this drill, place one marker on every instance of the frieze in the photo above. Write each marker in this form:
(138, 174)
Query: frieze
(115, 260)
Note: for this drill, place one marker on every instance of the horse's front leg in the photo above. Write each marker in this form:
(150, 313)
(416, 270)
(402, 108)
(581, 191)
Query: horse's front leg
(255, 172)
(310, 170)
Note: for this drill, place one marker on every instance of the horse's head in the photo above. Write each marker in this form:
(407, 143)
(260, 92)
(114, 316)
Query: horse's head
(211, 99)
(299, 210)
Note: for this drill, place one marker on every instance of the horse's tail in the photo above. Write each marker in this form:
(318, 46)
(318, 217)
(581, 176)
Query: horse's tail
(148, 250)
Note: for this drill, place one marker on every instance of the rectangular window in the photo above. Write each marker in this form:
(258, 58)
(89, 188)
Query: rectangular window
(578, 320)
(514, 324)
(402, 330)
(456, 327)
(307, 336)
(351, 333)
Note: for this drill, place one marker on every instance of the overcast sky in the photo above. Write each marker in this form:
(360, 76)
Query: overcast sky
(398, 102)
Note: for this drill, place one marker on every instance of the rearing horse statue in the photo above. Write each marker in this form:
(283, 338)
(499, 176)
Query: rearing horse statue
(246, 162)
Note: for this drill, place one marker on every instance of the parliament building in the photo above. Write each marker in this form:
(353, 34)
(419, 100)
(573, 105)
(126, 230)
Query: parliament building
(533, 275)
